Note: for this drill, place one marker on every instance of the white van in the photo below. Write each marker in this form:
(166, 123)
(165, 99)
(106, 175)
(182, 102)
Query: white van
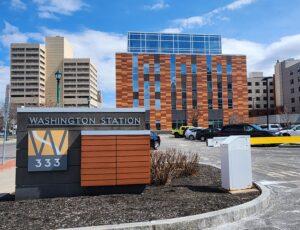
(272, 127)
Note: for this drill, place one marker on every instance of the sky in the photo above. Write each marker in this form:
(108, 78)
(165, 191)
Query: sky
(263, 30)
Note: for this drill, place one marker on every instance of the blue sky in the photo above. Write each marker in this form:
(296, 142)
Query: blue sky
(264, 30)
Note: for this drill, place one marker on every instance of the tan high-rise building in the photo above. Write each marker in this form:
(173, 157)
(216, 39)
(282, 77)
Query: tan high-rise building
(28, 74)
(33, 82)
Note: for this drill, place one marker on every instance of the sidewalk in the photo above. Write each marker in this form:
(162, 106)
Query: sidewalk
(7, 177)
(9, 141)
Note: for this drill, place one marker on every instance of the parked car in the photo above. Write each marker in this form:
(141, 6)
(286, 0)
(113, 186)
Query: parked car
(181, 131)
(204, 134)
(1, 133)
(245, 129)
(294, 131)
(273, 127)
(154, 140)
(190, 133)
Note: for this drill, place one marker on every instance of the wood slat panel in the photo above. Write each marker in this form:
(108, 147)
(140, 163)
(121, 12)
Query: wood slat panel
(98, 165)
(133, 175)
(121, 153)
(134, 142)
(99, 177)
(99, 171)
(98, 159)
(96, 148)
(134, 170)
(133, 164)
(133, 159)
(133, 181)
(133, 147)
(98, 142)
(133, 137)
(92, 137)
(98, 153)
(98, 183)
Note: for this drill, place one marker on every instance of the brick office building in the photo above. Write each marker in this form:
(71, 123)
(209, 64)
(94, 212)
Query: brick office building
(181, 79)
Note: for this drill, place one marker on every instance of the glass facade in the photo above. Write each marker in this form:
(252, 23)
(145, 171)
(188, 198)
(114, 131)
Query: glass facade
(141, 42)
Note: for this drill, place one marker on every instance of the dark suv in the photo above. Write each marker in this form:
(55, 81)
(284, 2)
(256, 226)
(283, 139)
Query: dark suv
(245, 129)
(203, 134)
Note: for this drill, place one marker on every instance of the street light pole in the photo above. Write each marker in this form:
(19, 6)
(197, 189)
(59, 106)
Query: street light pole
(58, 77)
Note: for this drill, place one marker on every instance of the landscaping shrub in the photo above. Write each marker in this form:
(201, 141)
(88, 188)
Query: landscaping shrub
(171, 163)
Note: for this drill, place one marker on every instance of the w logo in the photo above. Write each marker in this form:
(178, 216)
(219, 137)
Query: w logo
(47, 150)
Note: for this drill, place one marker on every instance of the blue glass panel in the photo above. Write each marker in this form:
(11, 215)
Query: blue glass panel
(151, 44)
(146, 68)
(166, 44)
(135, 85)
(184, 37)
(157, 86)
(157, 104)
(147, 104)
(198, 45)
(184, 45)
(209, 86)
(194, 68)
(208, 63)
(168, 37)
(134, 36)
(151, 36)
(146, 90)
(214, 45)
(134, 43)
(219, 69)
(229, 69)
(156, 68)
(135, 103)
(199, 38)
(229, 86)
(183, 68)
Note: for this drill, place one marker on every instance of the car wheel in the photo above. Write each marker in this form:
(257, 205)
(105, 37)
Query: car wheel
(202, 138)
(156, 145)
(286, 134)
(191, 137)
(176, 135)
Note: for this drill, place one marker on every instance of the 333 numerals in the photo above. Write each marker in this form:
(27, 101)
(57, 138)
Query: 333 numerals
(47, 162)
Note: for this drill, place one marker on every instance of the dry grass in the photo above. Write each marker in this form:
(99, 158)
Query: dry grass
(170, 164)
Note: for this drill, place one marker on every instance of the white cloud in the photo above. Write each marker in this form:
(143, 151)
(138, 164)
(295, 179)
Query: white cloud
(201, 20)
(51, 8)
(262, 57)
(159, 5)
(18, 4)
(11, 34)
(170, 30)
(101, 48)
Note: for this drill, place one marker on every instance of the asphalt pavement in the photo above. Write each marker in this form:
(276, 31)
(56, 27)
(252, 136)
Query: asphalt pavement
(276, 168)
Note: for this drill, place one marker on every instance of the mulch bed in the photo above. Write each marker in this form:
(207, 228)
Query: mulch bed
(183, 197)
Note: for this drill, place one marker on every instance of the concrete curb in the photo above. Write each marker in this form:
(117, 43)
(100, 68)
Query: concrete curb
(205, 220)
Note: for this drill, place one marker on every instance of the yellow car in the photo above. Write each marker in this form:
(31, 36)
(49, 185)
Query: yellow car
(180, 132)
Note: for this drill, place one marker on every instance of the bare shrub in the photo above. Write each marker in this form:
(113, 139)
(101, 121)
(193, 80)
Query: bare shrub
(170, 164)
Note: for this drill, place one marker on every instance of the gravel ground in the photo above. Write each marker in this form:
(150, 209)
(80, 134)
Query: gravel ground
(185, 196)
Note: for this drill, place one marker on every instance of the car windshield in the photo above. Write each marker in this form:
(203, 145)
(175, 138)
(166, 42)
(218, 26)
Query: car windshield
(257, 127)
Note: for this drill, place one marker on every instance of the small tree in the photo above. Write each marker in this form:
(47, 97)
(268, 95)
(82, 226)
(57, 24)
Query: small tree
(195, 118)
(285, 117)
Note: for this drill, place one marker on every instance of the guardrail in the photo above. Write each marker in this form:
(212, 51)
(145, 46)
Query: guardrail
(274, 140)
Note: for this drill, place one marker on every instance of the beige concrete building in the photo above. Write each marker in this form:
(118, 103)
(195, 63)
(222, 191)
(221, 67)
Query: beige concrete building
(33, 81)
(257, 92)
(28, 74)
(79, 83)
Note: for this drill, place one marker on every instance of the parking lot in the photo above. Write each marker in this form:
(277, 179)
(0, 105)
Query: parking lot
(277, 168)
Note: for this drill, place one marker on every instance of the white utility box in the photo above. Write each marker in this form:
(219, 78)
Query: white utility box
(236, 169)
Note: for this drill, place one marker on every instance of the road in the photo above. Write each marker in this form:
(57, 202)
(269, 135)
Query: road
(276, 168)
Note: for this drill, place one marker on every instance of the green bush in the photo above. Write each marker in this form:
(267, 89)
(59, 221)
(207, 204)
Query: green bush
(171, 163)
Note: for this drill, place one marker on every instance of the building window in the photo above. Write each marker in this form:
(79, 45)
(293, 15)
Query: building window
(257, 98)
(157, 104)
(146, 68)
(173, 80)
(194, 84)
(257, 91)
(135, 83)
(257, 83)
(156, 68)
(271, 90)
(146, 95)
(215, 123)
(157, 86)
(258, 106)
(157, 124)
(293, 109)
(249, 83)
(270, 83)
(249, 98)
(291, 73)
(264, 91)
(271, 98)
(265, 98)
(292, 90)
(299, 89)
(293, 100)
(183, 68)
(292, 81)
(135, 103)
(230, 104)
(265, 106)
(183, 85)
(219, 69)
(229, 69)
(264, 83)
(210, 104)
(249, 91)
(250, 106)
